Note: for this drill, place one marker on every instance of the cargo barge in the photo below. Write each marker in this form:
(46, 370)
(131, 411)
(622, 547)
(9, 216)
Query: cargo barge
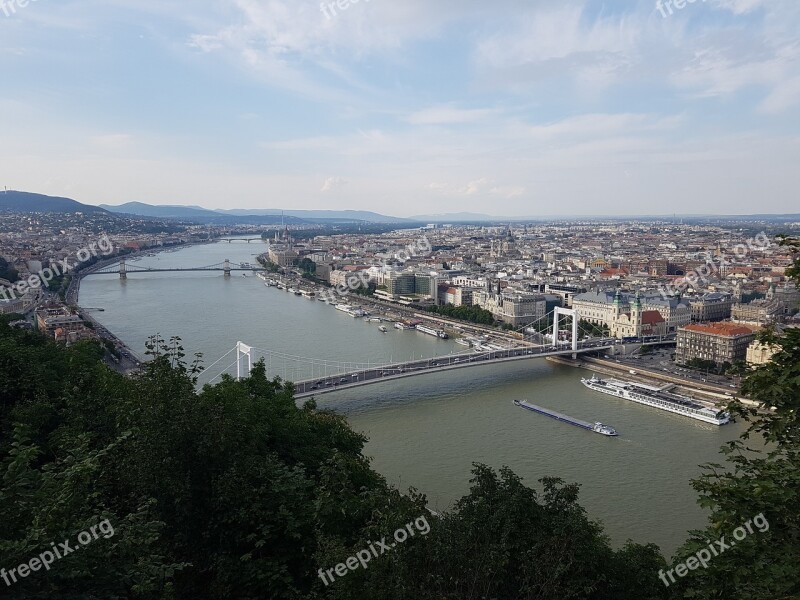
(596, 427)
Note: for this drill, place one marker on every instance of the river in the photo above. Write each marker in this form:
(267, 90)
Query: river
(425, 432)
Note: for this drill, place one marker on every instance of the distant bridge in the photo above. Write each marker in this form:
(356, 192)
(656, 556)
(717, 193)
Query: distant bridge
(123, 268)
(248, 240)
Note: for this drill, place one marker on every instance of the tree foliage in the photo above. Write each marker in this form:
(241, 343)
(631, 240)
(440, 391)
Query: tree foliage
(472, 314)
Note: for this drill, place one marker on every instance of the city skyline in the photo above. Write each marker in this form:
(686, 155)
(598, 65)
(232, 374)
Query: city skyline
(419, 108)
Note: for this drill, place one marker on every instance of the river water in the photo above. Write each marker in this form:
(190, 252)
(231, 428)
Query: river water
(425, 432)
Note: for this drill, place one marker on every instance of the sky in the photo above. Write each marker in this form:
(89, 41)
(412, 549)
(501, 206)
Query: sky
(406, 107)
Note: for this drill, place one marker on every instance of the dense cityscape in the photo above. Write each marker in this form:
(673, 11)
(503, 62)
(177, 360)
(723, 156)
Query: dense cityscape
(711, 287)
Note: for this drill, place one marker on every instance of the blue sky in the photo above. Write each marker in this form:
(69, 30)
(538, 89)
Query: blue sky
(519, 108)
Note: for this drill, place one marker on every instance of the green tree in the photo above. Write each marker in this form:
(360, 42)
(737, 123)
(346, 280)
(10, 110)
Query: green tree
(505, 540)
(307, 265)
(471, 314)
(7, 271)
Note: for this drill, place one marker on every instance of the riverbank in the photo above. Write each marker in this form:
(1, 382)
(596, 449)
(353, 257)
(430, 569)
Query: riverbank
(396, 312)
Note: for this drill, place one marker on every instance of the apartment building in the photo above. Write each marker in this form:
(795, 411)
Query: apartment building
(760, 354)
(513, 307)
(714, 306)
(717, 342)
(758, 312)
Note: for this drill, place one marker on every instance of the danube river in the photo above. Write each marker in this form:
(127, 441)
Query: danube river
(425, 432)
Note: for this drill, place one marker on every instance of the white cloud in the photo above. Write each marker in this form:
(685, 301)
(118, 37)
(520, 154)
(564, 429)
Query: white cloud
(333, 183)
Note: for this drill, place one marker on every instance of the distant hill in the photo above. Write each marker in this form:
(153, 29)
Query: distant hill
(197, 214)
(326, 215)
(267, 216)
(14, 201)
(164, 212)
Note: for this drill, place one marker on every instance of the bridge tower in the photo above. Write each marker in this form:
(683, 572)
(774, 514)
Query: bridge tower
(123, 272)
(227, 267)
(567, 312)
(243, 350)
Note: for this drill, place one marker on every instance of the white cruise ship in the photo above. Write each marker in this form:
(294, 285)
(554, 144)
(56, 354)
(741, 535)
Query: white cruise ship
(431, 331)
(353, 312)
(657, 398)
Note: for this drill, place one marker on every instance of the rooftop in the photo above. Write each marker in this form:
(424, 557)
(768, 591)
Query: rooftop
(724, 329)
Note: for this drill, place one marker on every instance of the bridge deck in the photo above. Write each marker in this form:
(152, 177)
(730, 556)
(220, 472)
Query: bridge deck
(332, 383)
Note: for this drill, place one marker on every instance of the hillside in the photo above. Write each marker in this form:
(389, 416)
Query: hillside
(164, 212)
(322, 215)
(14, 201)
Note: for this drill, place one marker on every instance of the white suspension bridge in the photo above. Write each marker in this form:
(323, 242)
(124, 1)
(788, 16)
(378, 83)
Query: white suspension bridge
(315, 376)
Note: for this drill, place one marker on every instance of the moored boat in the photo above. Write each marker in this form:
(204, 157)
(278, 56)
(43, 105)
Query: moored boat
(431, 331)
(657, 398)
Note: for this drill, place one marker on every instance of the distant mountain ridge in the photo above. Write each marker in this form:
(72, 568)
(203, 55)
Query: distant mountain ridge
(290, 216)
(168, 211)
(28, 202)
(350, 215)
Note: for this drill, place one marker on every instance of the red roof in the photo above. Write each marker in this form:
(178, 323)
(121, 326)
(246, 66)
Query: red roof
(651, 317)
(723, 329)
(611, 272)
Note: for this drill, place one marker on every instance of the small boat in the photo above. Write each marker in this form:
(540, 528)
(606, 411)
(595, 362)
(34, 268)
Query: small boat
(383, 329)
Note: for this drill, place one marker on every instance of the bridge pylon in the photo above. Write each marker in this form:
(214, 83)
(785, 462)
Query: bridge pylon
(227, 267)
(243, 350)
(567, 312)
(123, 271)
